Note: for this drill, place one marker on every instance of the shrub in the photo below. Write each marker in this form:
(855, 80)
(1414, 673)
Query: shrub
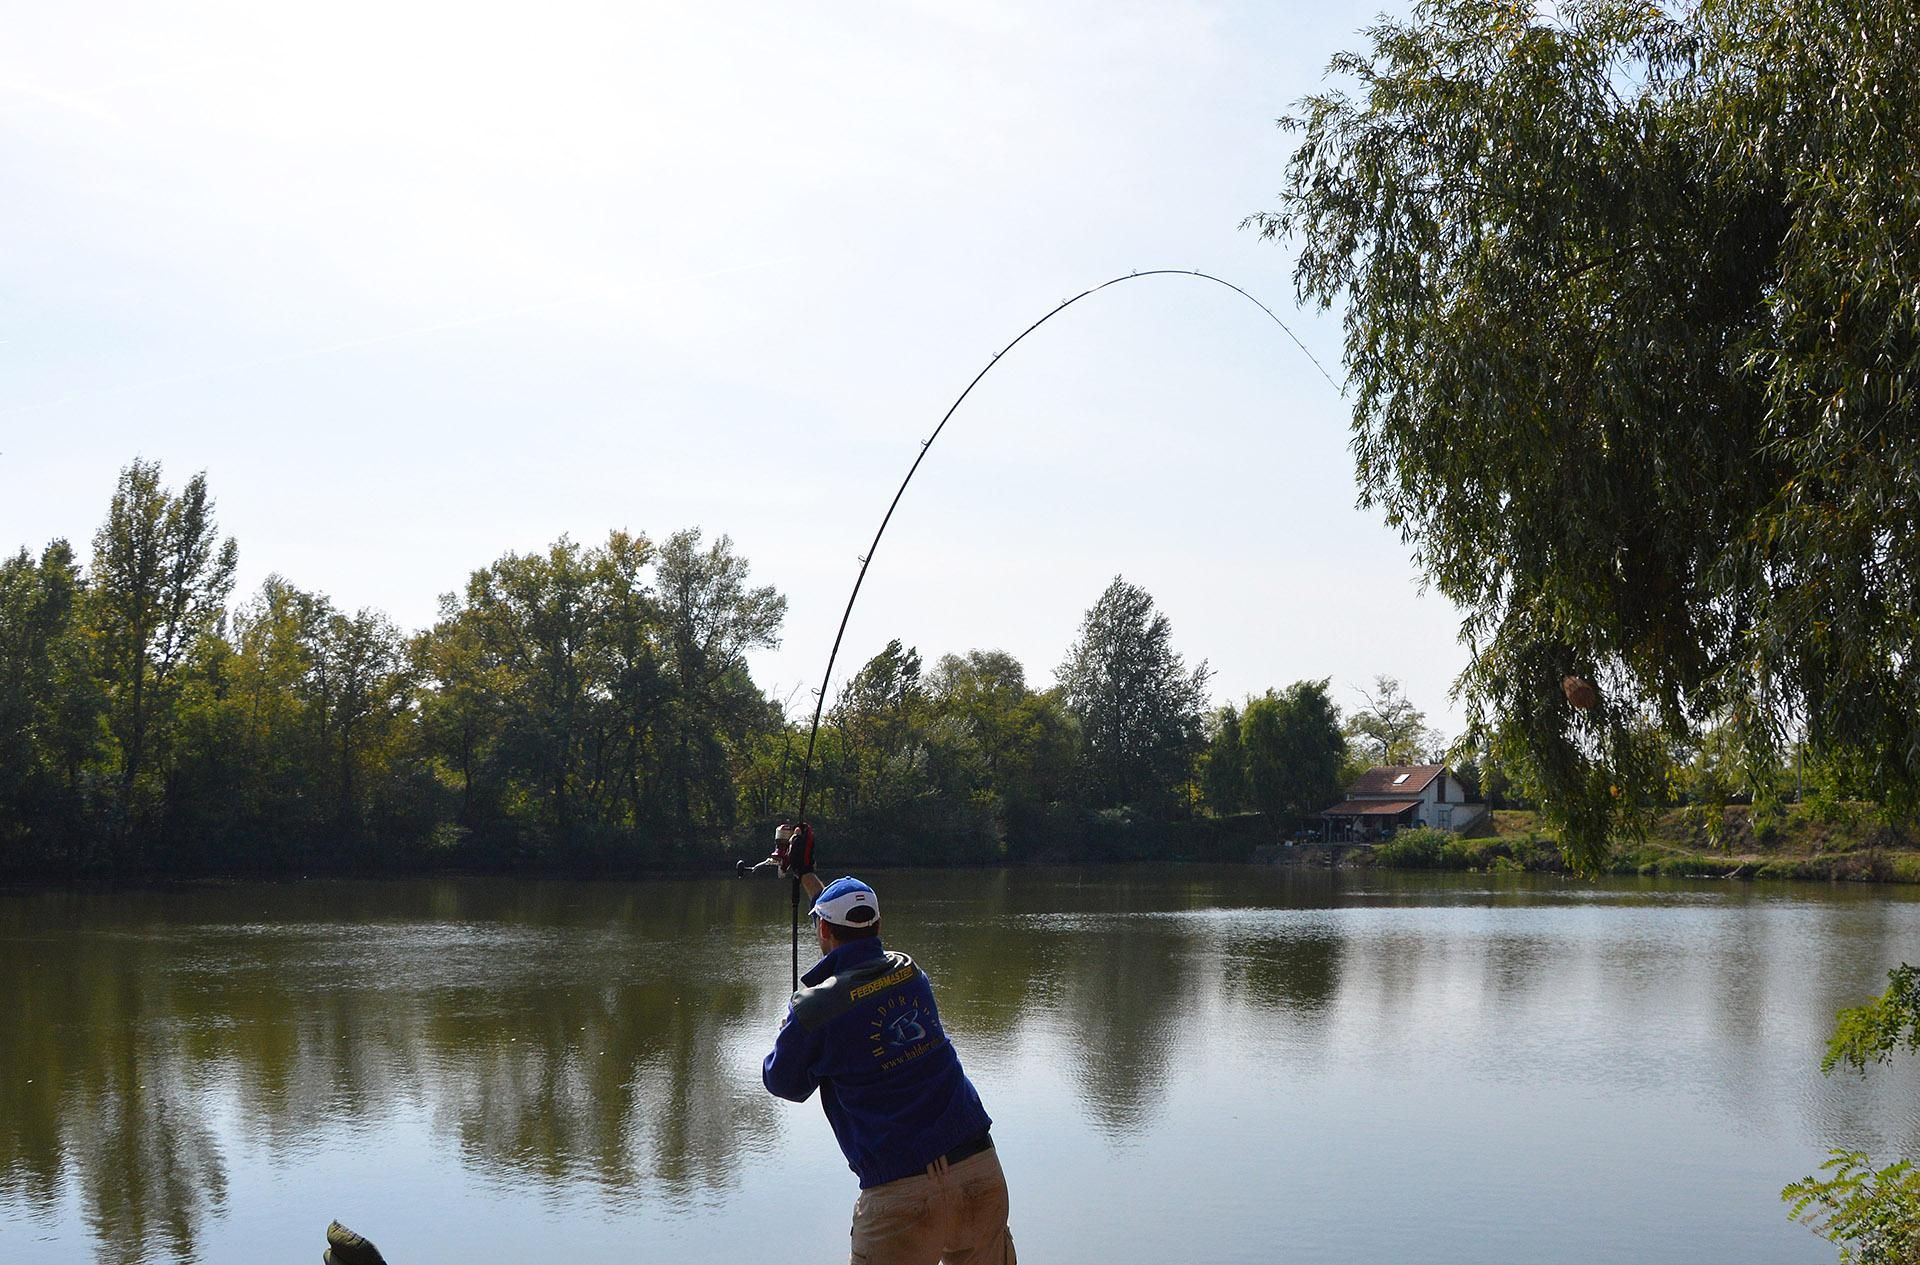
(1873, 1214)
(1421, 848)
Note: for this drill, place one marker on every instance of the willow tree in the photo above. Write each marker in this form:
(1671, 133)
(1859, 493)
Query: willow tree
(1294, 747)
(1223, 768)
(1632, 310)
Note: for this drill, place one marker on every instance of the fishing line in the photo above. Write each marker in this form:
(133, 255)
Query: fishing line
(866, 559)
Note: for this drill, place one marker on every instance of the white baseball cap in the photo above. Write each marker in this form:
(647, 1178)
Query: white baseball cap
(847, 902)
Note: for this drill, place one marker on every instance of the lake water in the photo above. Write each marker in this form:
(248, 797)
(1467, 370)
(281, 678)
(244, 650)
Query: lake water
(1184, 1064)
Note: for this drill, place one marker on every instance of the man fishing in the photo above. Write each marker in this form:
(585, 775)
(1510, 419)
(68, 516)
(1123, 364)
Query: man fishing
(864, 1031)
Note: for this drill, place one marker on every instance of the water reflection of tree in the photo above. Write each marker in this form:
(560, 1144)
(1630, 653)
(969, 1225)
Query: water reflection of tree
(988, 968)
(1124, 1006)
(550, 1031)
(1766, 957)
(98, 1090)
(150, 1169)
(557, 1033)
(1111, 967)
(34, 1054)
(1298, 971)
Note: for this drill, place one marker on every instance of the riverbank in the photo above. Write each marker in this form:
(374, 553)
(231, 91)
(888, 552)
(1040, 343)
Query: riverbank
(1855, 847)
(1845, 847)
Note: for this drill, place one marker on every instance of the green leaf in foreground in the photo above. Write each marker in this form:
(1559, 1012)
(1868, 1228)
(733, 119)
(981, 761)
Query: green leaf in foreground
(1873, 1214)
(1871, 1033)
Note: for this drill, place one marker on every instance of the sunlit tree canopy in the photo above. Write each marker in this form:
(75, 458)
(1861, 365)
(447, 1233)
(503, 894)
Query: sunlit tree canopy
(1632, 312)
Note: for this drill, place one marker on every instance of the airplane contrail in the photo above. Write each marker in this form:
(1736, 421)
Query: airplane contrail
(354, 344)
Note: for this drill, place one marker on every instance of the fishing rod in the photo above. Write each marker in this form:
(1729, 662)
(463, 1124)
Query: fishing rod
(866, 559)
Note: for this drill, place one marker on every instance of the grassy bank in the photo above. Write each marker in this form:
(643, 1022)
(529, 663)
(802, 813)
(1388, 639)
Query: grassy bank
(1851, 846)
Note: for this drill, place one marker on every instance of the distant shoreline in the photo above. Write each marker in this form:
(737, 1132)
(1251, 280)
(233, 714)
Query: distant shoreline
(1798, 847)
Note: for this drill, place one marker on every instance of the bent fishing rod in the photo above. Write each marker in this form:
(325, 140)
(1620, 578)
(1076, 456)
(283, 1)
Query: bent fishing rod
(866, 559)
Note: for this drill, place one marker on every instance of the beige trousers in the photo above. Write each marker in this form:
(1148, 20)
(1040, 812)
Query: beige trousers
(952, 1213)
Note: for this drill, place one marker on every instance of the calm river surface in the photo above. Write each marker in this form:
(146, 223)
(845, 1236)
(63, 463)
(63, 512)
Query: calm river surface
(1186, 1064)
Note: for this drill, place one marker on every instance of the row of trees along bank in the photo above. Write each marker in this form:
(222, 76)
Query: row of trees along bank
(574, 708)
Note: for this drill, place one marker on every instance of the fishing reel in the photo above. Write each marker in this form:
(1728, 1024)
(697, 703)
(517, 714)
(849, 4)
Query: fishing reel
(784, 836)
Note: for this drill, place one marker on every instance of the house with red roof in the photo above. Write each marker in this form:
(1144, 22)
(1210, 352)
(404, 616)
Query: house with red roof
(1392, 797)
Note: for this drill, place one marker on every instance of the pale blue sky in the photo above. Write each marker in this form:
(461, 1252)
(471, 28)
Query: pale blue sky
(420, 283)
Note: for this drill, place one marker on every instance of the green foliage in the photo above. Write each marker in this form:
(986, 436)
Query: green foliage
(1293, 750)
(582, 693)
(572, 707)
(1424, 848)
(1675, 848)
(881, 715)
(299, 721)
(1871, 1033)
(576, 708)
(1284, 756)
(1138, 707)
(1421, 848)
(1223, 767)
(1713, 770)
(1873, 1214)
(1390, 729)
(1498, 787)
(711, 620)
(157, 586)
(1632, 313)
(1024, 743)
(963, 763)
(52, 713)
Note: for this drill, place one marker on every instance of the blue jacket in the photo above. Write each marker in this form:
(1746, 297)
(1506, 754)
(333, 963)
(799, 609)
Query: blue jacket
(865, 1032)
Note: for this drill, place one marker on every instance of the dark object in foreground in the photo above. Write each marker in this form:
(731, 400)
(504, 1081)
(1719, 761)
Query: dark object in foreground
(344, 1247)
